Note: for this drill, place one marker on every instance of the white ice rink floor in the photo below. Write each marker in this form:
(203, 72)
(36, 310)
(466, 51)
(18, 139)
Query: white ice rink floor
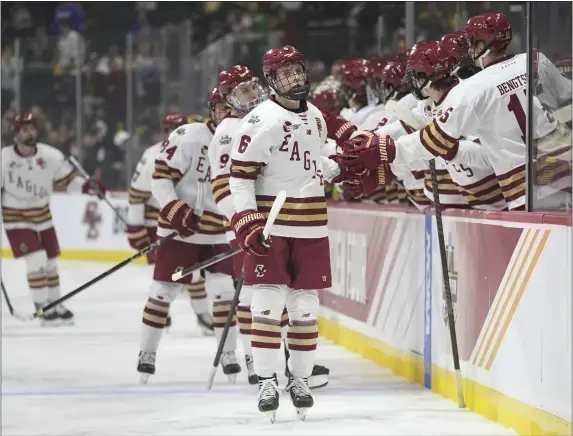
(82, 380)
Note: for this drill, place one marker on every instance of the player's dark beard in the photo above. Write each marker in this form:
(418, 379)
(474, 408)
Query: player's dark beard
(30, 142)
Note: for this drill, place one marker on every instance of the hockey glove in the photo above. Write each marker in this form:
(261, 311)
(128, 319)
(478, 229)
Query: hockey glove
(138, 238)
(338, 128)
(367, 151)
(249, 226)
(180, 215)
(94, 187)
(344, 175)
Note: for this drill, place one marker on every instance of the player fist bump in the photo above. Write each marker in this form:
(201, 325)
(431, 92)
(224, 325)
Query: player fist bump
(94, 187)
(367, 151)
(366, 184)
(180, 215)
(249, 226)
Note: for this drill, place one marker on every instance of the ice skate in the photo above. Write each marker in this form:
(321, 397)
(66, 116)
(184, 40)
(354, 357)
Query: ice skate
(268, 397)
(230, 365)
(300, 395)
(146, 366)
(50, 318)
(205, 321)
(318, 379)
(65, 315)
(252, 376)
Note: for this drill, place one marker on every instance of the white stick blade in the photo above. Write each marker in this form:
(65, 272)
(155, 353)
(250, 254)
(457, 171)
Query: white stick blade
(277, 206)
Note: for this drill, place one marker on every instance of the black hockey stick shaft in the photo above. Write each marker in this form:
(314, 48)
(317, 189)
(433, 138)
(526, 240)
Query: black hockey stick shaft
(103, 275)
(206, 263)
(228, 322)
(10, 308)
(446, 280)
(85, 175)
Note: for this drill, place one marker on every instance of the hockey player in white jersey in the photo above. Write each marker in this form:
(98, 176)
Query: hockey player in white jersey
(354, 77)
(181, 171)
(29, 172)
(240, 90)
(142, 214)
(278, 147)
(490, 105)
(429, 76)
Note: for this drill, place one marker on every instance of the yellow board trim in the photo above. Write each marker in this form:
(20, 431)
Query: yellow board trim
(493, 405)
(90, 255)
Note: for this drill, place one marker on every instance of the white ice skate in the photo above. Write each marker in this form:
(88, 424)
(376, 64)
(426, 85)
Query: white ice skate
(146, 366)
(230, 365)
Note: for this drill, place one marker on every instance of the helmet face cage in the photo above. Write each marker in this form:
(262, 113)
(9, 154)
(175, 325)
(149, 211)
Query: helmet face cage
(247, 95)
(285, 80)
(417, 83)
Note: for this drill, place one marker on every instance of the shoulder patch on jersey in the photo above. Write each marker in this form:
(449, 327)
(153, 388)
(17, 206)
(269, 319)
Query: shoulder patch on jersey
(41, 162)
(225, 139)
(254, 119)
(180, 131)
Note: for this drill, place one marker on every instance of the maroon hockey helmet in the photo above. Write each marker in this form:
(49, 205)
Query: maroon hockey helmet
(291, 83)
(173, 120)
(240, 88)
(458, 46)
(393, 80)
(329, 100)
(217, 107)
(493, 28)
(354, 75)
(426, 64)
(22, 119)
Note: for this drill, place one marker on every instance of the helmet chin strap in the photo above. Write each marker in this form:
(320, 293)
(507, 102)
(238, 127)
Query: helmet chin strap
(480, 58)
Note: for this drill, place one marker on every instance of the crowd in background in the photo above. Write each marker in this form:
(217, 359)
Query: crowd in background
(68, 62)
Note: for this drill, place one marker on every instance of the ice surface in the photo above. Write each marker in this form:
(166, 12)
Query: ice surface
(82, 380)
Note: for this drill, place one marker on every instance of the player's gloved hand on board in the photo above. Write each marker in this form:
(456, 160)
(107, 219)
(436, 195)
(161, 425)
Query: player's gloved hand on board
(366, 151)
(94, 187)
(181, 217)
(249, 226)
(139, 238)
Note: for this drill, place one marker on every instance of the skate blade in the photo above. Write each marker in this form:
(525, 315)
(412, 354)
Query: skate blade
(272, 415)
(144, 378)
(50, 324)
(68, 322)
(301, 413)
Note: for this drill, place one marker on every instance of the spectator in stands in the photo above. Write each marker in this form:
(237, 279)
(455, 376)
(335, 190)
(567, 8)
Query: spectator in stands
(71, 14)
(21, 20)
(10, 68)
(39, 52)
(71, 46)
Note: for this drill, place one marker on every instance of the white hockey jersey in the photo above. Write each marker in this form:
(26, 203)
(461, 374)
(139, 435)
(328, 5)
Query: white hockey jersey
(490, 105)
(275, 149)
(220, 161)
(476, 184)
(555, 90)
(181, 170)
(28, 182)
(143, 208)
(377, 118)
(357, 117)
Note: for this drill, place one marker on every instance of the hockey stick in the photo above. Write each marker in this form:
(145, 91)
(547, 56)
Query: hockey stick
(275, 209)
(143, 252)
(10, 307)
(409, 117)
(197, 211)
(446, 280)
(85, 175)
(228, 321)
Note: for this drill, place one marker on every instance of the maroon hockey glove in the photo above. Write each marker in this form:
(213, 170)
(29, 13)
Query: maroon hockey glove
(338, 128)
(367, 151)
(94, 187)
(138, 237)
(249, 226)
(180, 215)
(344, 175)
(369, 182)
